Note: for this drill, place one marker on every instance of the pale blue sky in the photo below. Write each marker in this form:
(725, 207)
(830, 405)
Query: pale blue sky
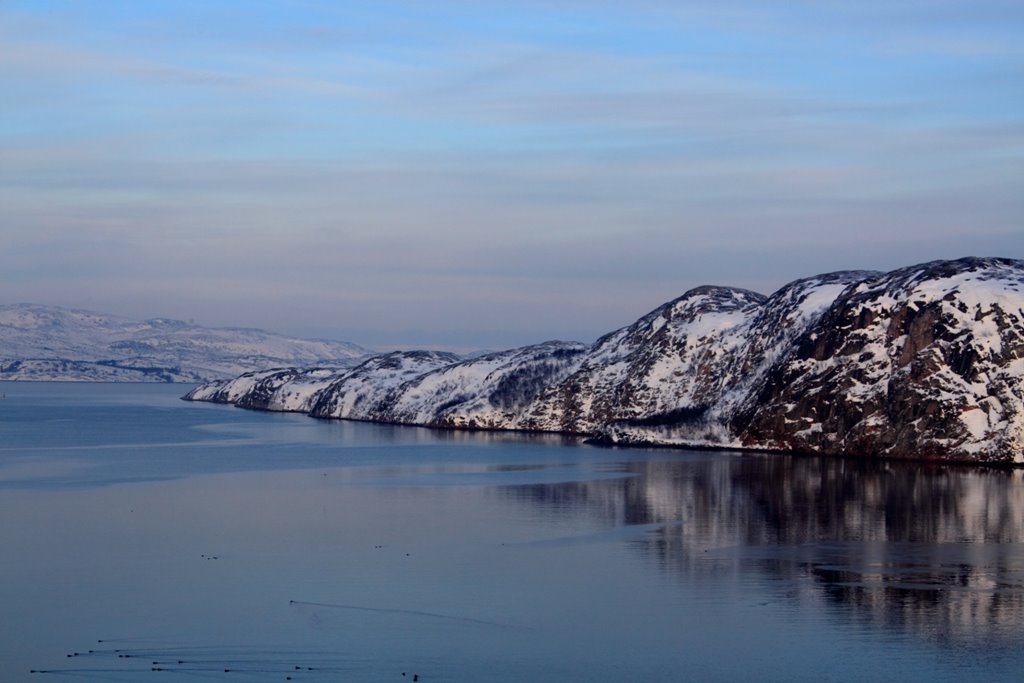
(467, 174)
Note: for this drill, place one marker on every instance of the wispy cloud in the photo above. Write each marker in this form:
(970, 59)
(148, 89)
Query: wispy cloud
(413, 170)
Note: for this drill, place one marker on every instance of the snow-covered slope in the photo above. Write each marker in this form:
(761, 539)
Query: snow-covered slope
(487, 392)
(355, 393)
(51, 343)
(926, 360)
(922, 362)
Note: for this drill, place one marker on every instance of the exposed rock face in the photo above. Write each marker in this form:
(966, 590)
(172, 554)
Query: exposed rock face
(922, 362)
(919, 362)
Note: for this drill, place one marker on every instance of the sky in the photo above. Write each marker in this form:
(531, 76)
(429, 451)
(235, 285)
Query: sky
(482, 174)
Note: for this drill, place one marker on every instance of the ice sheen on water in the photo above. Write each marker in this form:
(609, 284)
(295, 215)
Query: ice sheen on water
(208, 542)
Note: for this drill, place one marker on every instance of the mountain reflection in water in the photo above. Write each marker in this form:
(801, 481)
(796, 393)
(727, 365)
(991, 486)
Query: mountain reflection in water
(935, 551)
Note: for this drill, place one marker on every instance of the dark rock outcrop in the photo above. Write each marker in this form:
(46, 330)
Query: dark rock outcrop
(919, 363)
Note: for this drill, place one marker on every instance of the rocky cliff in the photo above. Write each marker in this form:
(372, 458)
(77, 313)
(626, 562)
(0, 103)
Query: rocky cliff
(923, 362)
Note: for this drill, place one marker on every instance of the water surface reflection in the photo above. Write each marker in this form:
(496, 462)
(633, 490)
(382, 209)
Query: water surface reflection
(934, 550)
(374, 550)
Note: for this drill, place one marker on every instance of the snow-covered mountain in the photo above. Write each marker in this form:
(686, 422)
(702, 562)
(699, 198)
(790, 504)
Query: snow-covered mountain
(52, 343)
(922, 362)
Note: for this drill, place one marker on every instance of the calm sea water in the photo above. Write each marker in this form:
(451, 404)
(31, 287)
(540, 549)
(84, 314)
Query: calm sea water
(165, 540)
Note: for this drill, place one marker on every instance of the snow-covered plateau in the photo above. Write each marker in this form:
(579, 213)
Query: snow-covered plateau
(924, 362)
(49, 343)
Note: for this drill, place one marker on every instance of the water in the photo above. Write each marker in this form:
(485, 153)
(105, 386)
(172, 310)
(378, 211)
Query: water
(214, 543)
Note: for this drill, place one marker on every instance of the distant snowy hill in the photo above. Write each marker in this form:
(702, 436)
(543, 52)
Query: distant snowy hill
(48, 343)
(922, 362)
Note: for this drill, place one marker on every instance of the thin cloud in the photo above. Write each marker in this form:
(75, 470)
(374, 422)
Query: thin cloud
(493, 166)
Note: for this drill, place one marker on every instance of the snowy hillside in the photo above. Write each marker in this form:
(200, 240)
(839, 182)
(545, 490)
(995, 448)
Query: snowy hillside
(51, 343)
(923, 362)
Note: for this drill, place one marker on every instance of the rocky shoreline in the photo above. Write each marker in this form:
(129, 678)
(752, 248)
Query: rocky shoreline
(924, 362)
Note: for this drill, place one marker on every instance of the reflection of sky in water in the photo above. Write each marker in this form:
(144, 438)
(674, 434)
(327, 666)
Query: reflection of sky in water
(260, 542)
